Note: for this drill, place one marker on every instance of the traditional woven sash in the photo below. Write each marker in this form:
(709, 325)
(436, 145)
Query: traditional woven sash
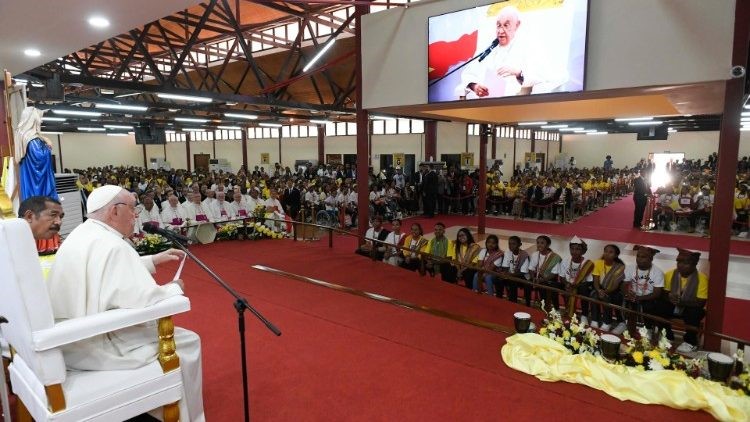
(614, 276)
(489, 259)
(690, 291)
(520, 259)
(583, 271)
(439, 247)
(545, 268)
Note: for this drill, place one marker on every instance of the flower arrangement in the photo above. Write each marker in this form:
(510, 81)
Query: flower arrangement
(260, 213)
(575, 336)
(741, 380)
(643, 355)
(228, 231)
(259, 231)
(151, 244)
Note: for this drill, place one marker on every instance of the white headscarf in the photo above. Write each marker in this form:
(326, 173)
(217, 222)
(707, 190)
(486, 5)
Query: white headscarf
(29, 127)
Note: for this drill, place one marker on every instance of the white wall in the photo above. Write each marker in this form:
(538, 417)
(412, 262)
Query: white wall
(630, 44)
(87, 150)
(590, 151)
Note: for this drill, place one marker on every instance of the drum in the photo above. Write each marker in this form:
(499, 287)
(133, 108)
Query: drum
(202, 233)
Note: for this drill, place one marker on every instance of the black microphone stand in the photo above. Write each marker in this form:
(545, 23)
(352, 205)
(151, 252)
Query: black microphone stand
(240, 305)
(480, 56)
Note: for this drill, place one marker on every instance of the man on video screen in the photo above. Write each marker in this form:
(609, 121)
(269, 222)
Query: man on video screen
(513, 67)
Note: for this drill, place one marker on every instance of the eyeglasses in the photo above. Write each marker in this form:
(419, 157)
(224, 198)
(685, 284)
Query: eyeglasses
(131, 206)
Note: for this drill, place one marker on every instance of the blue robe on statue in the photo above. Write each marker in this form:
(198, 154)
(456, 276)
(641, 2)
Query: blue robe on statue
(37, 176)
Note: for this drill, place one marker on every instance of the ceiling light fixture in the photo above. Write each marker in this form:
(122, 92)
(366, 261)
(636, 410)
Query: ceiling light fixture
(241, 116)
(554, 126)
(77, 113)
(92, 129)
(54, 119)
(173, 110)
(32, 52)
(319, 55)
(586, 131)
(319, 122)
(51, 133)
(634, 119)
(597, 133)
(193, 129)
(184, 97)
(570, 129)
(190, 120)
(117, 134)
(531, 123)
(229, 127)
(98, 22)
(646, 123)
(118, 127)
(270, 124)
(671, 130)
(121, 107)
(383, 118)
(128, 95)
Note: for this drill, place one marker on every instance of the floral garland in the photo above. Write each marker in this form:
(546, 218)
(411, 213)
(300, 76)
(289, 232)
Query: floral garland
(640, 353)
(150, 244)
(255, 231)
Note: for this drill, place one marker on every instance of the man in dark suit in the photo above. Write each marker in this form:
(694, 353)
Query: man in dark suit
(640, 197)
(430, 190)
(291, 199)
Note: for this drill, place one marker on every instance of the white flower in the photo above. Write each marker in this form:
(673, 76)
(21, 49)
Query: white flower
(664, 343)
(654, 365)
(643, 332)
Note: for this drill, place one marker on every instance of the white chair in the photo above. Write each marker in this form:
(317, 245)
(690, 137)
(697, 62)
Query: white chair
(49, 392)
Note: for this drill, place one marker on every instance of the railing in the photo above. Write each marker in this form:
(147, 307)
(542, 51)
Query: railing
(629, 314)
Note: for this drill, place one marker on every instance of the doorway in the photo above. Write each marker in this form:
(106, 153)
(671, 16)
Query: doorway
(200, 161)
(662, 163)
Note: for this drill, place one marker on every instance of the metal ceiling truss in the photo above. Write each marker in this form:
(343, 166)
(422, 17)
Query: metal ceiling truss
(157, 58)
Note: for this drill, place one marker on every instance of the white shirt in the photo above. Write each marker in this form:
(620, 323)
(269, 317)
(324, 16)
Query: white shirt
(643, 282)
(371, 234)
(192, 211)
(153, 216)
(568, 270)
(510, 260)
(270, 202)
(393, 239)
(234, 209)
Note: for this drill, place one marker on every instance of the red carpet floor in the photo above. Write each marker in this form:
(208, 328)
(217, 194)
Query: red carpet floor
(343, 357)
(613, 222)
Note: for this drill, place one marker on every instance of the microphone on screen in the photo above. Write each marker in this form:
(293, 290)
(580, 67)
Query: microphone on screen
(151, 228)
(486, 52)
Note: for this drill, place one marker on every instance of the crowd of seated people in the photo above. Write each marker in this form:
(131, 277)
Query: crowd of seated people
(684, 203)
(679, 293)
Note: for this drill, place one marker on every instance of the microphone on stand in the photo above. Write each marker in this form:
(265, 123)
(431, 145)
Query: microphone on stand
(486, 52)
(150, 228)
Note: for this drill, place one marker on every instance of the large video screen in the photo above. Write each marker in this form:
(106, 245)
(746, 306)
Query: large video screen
(506, 49)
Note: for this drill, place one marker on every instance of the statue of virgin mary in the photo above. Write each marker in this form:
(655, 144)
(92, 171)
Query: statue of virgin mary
(34, 155)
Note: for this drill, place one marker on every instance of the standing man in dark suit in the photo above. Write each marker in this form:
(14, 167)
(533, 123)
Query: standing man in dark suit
(640, 197)
(292, 199)
(430, 190)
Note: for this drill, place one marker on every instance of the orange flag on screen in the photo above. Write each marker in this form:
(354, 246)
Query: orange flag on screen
(445, 54)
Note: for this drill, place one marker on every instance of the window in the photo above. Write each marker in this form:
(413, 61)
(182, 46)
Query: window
(391, 127)
(351, 128)
(417, 126)
(378, 127)
(404, 126)
(303, 131)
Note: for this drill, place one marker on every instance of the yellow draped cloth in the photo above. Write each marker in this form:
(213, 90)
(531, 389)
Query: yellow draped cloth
(550, 361)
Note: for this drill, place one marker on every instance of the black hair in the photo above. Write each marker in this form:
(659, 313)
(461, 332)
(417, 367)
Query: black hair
(546, 239)
(440, 224)
(35, 204)
(492, 236)
(617, 252)
(419, 226)
(517, 239)
(469, 239)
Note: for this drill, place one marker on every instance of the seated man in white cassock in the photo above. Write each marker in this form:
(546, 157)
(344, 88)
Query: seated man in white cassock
(253, 199)
(195, 211)
(220, 207)
(148, 212)
(275, 210)
(238, 208)
(173, 214)
(97, 270)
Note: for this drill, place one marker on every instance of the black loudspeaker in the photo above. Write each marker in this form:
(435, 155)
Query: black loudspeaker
(653, 133)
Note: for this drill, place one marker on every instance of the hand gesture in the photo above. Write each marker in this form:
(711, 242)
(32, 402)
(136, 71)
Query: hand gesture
(504, 71)
(167, 256)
